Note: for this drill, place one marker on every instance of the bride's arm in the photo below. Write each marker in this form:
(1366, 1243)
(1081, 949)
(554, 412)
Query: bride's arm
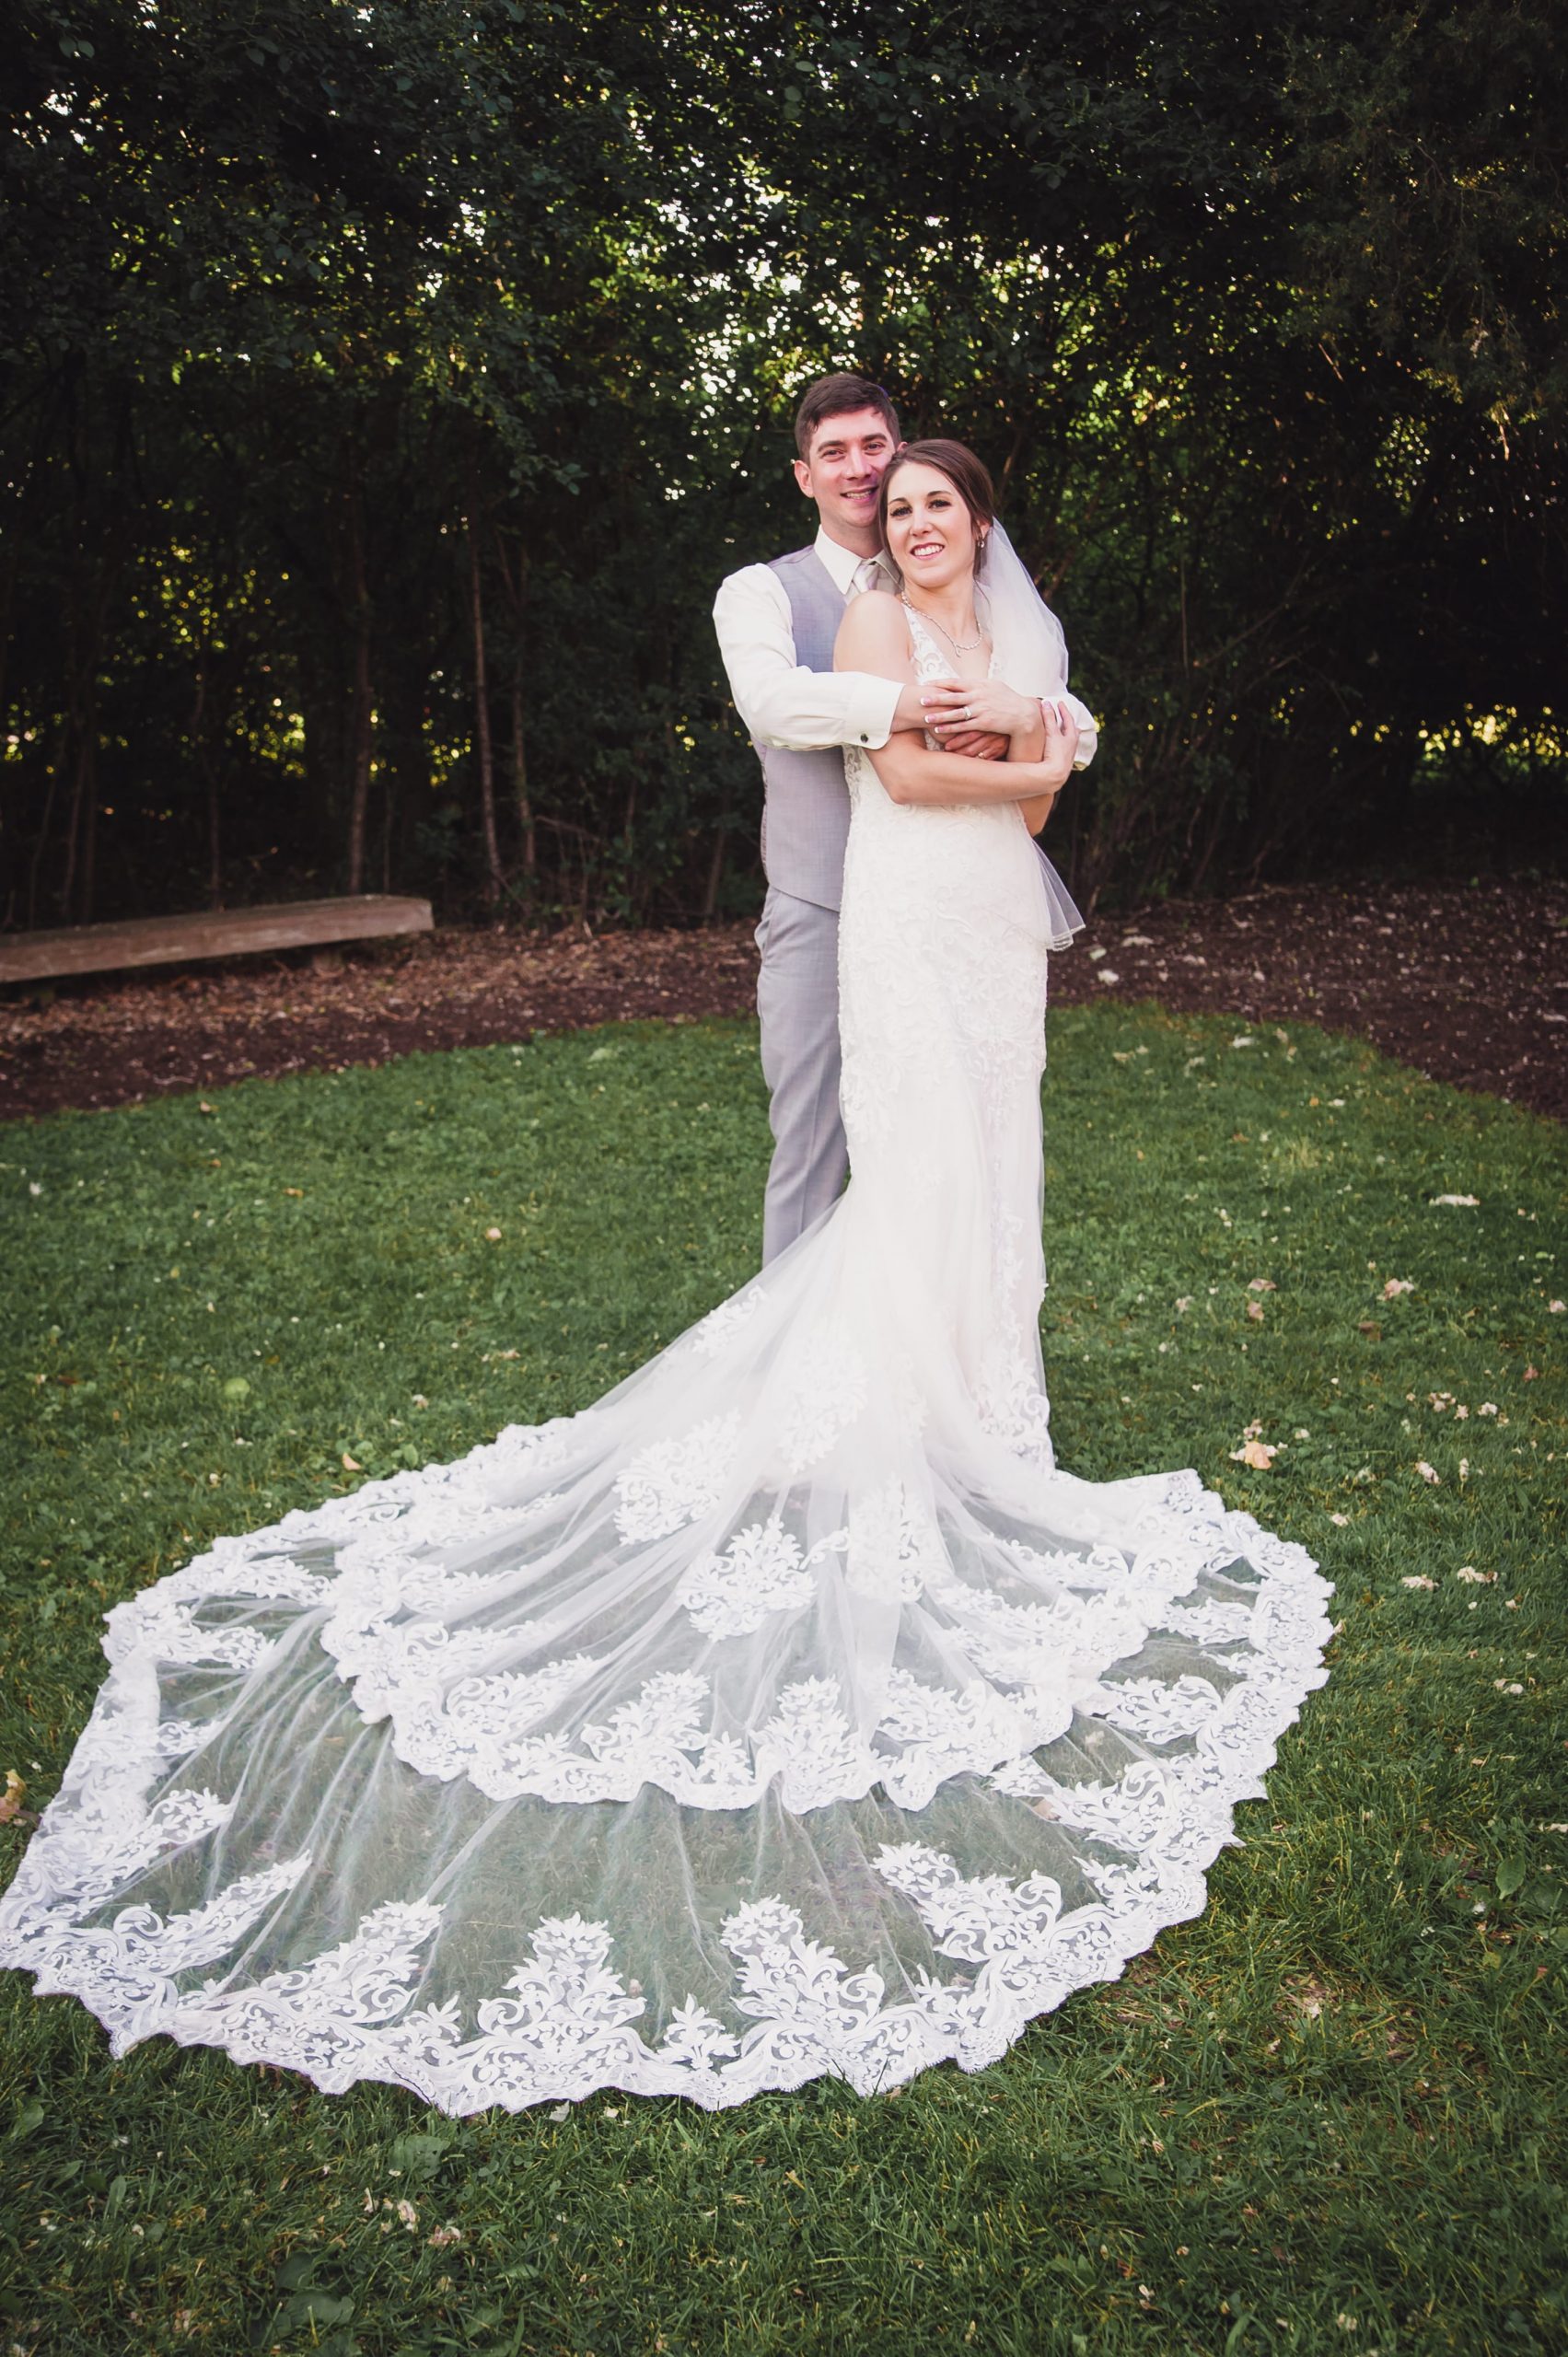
(1029, 745)
(874, 636)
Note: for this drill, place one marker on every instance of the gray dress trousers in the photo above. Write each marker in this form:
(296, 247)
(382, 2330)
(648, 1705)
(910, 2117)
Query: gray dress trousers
(805, 830)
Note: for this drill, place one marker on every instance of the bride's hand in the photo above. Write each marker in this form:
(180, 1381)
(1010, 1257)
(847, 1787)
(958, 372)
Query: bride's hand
(991, 706)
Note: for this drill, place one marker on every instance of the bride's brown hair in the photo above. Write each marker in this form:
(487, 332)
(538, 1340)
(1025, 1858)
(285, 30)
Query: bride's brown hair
(969, 477)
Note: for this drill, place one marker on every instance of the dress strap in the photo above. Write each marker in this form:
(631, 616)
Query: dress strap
(929, 660)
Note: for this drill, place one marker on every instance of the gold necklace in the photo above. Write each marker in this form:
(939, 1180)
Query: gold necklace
(958, 645)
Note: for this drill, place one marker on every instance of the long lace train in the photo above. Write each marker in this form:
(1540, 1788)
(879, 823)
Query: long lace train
(788, 1712)
(315, 1822)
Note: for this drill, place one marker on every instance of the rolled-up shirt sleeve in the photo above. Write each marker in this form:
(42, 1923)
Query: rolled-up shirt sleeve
(781, 701)
(1088, 731)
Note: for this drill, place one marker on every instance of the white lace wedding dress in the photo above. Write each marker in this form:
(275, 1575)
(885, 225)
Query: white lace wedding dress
(786, 1713)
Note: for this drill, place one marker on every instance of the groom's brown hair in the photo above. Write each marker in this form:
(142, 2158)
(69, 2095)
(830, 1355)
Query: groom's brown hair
(838, 396)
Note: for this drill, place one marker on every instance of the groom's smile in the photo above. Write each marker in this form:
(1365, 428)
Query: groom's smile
(842, 473)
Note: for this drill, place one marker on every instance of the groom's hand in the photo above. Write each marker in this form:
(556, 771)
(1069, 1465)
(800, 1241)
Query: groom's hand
(978, 743)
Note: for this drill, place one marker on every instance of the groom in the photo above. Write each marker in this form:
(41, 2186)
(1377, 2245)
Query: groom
(777, 625)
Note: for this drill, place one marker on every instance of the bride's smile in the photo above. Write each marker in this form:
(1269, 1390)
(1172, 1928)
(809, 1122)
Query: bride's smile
(929, 534)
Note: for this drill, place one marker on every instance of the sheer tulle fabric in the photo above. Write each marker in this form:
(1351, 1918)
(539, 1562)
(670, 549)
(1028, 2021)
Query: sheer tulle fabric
(786, 1713)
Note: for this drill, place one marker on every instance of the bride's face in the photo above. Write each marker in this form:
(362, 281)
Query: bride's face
(931, 535)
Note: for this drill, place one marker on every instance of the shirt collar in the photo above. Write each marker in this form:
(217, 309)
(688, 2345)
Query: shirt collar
(842, 564)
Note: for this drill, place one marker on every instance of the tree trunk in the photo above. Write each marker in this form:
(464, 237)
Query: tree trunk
(515, 581)
(76, 885)
(208, 768)
(493, 879)
(7, 601)
(75, 739)
(79, 742)
(86, 799)
(362, 720)
(715, 874)
(41, 840)
(215, 840)
(525, 826)
(403, 770)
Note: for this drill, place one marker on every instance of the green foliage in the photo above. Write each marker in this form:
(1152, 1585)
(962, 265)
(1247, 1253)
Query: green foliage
(314, 312)
(1325, 2115)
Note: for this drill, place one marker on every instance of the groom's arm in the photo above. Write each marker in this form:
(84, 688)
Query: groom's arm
(781, 701)
(1088, 729)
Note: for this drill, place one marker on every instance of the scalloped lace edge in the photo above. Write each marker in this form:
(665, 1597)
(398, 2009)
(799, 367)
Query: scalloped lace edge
(565, 2033)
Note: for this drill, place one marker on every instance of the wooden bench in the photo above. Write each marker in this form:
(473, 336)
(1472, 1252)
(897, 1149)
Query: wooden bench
(230, 933)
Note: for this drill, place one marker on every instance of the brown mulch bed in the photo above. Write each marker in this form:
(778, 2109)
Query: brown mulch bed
(1467, 984)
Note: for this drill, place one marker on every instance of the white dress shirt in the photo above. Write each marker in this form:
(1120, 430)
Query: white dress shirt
(781, 701)
(783, 704)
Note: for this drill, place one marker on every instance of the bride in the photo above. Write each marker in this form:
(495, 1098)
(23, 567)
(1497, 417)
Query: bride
(788, 1713)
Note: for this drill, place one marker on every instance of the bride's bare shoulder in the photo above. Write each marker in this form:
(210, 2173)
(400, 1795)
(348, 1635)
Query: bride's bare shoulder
(873, 623)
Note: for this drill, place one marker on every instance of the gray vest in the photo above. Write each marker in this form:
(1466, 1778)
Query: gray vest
(806, 805)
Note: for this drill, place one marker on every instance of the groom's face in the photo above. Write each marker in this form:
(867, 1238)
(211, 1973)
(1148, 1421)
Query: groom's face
(843, 469)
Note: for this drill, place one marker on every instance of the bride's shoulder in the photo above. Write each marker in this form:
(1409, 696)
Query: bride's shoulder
(875, 619)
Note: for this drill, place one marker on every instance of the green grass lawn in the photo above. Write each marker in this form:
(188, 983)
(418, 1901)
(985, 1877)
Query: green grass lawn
(1325, 2116)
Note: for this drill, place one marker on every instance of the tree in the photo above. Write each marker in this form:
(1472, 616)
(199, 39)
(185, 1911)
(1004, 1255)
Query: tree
(388, 386)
